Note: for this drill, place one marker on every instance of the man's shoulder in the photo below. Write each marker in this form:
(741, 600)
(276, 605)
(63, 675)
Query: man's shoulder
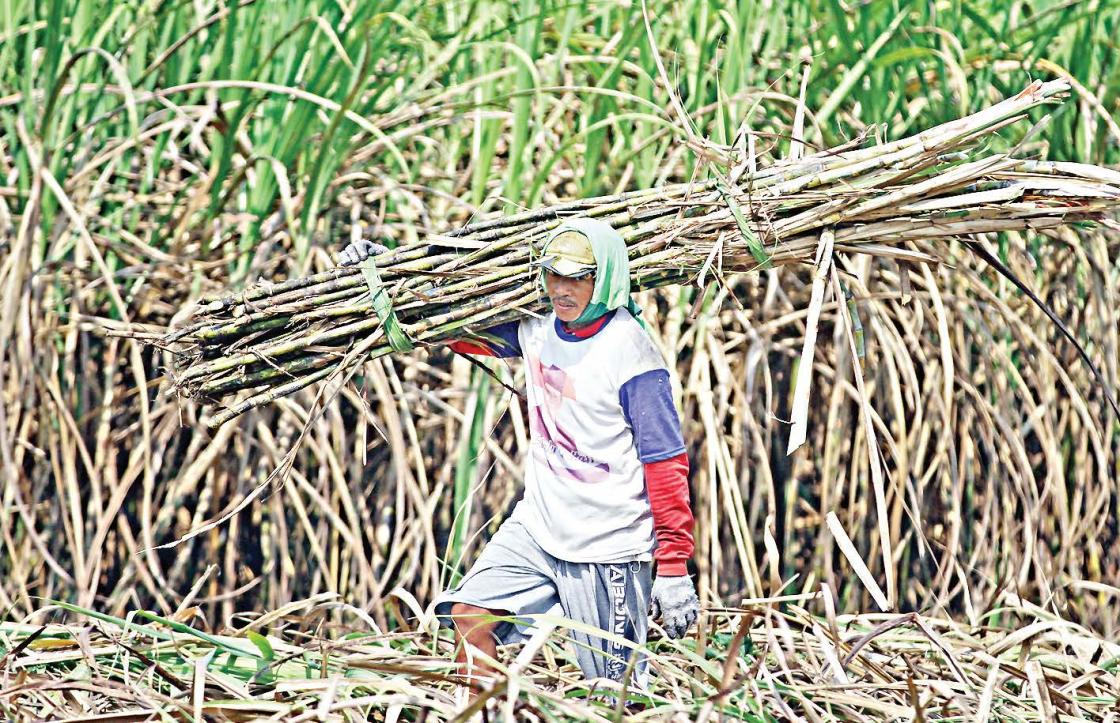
(532, 330)
(530, 324)
(634, 345)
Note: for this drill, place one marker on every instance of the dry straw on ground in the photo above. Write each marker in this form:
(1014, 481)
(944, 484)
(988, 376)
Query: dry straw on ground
(768, 661)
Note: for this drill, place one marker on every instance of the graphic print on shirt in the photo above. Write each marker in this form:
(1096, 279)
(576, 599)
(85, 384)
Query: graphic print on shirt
(555, 388)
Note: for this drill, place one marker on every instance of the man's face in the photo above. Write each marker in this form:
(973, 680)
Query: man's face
(569, 296)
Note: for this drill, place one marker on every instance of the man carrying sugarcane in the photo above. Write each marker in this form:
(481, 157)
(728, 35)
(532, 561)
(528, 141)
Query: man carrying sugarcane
(606, 479)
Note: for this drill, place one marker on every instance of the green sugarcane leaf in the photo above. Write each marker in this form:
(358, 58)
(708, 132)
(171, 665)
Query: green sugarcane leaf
(857, 324)
(120, 622)
(262, 644)
(217, 642)
(753, 243)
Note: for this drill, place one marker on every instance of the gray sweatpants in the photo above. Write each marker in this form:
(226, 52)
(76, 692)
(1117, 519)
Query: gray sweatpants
(514, 574)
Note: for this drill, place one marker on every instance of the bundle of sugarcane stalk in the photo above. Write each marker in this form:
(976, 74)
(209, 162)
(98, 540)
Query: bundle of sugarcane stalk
(274, 339)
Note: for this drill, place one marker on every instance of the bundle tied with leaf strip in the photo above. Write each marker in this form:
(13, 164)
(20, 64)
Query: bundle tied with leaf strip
(895, 199)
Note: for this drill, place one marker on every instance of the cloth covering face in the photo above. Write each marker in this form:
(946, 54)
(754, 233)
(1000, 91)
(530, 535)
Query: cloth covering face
(612, 272)
(515, 574)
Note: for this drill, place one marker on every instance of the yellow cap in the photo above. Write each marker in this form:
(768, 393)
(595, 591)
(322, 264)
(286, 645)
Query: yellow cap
(569, 253)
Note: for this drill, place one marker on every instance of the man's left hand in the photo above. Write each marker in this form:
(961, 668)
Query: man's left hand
(359, 251)
(674, 600)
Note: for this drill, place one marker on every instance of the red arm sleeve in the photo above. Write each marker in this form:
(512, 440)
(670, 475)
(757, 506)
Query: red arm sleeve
(500, 341)
(467, 347)
(667, 488)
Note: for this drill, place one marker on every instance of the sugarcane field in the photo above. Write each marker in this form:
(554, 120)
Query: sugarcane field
(603, 360)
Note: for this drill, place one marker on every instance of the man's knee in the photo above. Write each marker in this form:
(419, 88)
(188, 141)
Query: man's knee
(465, 610)
(471, 620)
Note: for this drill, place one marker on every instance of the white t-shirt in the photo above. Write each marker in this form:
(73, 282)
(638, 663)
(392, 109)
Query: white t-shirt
(599, 407)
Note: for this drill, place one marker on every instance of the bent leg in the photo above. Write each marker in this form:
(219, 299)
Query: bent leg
(474, 626)
(512, 578)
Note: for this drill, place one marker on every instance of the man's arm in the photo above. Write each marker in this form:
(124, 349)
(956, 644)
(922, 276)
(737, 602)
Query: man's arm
(647, 403)
(667, 487)
(500, 341)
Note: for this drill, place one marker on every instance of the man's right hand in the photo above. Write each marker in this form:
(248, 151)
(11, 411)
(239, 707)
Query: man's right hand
(359, 251)
(673, 599)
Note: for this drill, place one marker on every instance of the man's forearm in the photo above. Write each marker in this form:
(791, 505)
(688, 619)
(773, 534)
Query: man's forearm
(469, 347)
(500, 341)
(667, 488)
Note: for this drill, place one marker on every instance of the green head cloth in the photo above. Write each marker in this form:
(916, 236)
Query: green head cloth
(612, 268)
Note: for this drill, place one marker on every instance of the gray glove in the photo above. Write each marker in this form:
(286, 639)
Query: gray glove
(359, 251)
(674, 600)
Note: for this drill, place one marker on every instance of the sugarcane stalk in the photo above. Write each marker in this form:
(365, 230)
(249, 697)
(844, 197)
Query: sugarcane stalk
(275, 339)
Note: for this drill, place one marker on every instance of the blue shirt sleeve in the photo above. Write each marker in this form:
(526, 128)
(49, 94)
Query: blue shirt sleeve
(503, 339)
(647, 405)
